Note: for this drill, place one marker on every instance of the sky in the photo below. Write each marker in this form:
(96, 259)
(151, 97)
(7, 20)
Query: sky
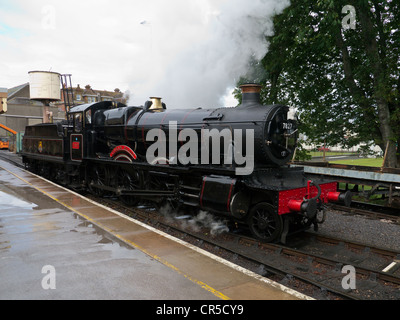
(189, 52)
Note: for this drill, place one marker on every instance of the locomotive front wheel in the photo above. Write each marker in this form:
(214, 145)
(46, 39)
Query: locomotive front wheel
(264, 223)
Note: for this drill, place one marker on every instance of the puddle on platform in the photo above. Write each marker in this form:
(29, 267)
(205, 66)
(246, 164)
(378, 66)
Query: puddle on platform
(8, 201)
(27, 213)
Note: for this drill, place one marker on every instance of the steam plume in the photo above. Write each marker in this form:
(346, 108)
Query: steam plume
(197, 51)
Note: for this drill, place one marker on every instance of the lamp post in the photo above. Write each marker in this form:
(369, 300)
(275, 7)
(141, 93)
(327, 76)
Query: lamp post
(146, 23)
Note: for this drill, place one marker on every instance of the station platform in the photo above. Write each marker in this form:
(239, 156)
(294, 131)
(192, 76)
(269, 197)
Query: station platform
(56, 244)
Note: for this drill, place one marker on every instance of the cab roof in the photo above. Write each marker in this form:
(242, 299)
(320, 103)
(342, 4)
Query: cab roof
(95, 106)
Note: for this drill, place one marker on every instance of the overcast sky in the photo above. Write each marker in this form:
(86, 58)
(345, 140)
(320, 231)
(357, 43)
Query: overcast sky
(190, 52)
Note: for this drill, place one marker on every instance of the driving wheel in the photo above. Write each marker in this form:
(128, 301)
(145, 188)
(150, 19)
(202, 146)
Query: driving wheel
(264, 222)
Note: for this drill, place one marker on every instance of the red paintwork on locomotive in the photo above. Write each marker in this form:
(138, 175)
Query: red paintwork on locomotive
(304, 193)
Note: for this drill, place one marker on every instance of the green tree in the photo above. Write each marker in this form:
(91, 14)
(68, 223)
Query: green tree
(343, 81)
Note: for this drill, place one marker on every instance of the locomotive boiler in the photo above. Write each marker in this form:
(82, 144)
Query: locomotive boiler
(229, 161)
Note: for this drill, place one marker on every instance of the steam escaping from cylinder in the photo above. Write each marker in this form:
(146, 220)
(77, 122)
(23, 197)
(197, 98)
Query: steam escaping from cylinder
(209, 221)
(200, 49)
(196, 222)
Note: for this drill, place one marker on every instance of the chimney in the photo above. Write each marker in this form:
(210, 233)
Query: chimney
(250, 94)
(157, 105)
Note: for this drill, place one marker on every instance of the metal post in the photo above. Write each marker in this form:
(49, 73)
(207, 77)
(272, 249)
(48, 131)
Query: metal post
(390, 195)
(384, 158)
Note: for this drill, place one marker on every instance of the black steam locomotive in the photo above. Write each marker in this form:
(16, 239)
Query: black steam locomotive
(230, 161)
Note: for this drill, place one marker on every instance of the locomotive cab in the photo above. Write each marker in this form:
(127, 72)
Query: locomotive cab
(82, 136)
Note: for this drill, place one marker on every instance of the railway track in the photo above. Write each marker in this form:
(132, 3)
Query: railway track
(371, 211)
(311, 264)
(15, 160)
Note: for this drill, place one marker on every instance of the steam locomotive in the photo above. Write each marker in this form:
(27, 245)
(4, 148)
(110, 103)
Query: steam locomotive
(229, 161)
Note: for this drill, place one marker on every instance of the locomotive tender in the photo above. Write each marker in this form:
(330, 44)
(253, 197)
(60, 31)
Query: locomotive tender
(115, 150)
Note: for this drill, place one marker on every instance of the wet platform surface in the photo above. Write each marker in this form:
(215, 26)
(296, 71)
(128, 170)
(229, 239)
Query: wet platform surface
(55, 244)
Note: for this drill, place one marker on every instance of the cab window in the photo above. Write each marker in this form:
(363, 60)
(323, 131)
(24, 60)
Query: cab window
(78, 122)
(88, 117)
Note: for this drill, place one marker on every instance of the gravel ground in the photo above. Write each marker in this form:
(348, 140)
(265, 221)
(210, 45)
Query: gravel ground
(377, 233)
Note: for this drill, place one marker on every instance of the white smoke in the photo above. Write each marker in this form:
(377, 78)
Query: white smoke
(194, 223)
(187, 51)
(198, 49)
(208, 221)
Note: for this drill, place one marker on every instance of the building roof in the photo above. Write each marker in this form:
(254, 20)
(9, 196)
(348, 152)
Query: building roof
(3, 92)
(14, 91)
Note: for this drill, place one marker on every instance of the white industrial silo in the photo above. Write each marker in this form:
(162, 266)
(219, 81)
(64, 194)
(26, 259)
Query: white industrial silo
(44, 85)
